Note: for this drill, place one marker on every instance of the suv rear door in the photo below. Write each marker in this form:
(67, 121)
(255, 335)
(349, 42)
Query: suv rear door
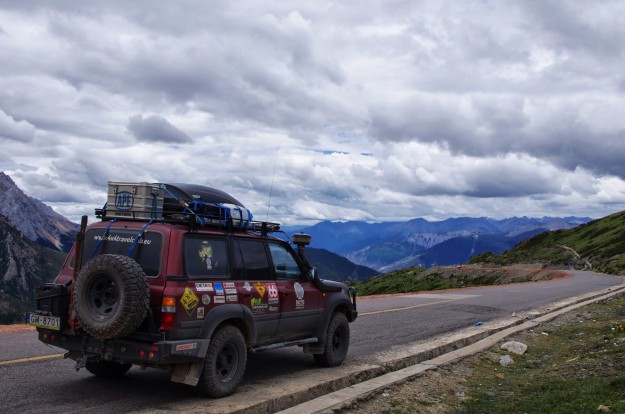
(299, 299)
(257, 286)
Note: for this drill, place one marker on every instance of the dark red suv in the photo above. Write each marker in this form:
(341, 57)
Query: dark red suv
(180, 277)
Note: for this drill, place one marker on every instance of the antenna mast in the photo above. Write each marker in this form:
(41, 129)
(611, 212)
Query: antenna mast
(273, 176)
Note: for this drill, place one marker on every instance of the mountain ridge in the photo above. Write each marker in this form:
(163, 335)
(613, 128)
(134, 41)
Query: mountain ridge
(392, 245)
(36, 220)
(24, 265)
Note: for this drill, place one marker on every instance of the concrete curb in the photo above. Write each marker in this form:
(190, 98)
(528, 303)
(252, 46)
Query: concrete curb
(416, 365)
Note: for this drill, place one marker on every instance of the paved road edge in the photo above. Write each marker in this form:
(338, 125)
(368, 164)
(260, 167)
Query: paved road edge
(416, 365)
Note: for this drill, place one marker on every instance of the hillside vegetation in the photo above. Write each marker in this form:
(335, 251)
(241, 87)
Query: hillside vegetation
(415, 279)
(598, 245)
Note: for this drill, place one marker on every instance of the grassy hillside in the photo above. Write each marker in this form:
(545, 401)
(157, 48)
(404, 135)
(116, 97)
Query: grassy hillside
(416, 279)
(598, 245)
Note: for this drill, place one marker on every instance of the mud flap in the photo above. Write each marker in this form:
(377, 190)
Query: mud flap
(315, 348)
(187, 373)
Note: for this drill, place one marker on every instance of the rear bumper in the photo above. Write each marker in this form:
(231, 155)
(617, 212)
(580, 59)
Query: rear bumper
(127, 351)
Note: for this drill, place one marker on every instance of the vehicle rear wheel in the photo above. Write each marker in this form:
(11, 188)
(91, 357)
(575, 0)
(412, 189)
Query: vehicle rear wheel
(111, 296)
(225, 363)
(107, 369)
(336, 343)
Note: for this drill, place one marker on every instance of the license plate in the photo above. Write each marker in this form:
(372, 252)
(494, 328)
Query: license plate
(41, 321)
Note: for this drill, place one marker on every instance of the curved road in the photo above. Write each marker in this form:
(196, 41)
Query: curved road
(36, 380)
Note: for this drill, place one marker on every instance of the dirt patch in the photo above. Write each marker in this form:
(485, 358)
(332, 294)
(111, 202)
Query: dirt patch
(16, 328)
(500, 275)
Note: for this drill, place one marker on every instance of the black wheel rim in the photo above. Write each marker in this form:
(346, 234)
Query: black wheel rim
(337, 339)
(227, 363)
(102, 297)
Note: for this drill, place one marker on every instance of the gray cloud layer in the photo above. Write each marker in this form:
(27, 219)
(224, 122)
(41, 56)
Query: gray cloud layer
(381, 111)
(155, 128)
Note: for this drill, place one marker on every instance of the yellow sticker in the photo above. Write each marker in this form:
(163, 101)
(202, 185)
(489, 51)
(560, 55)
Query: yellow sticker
(260, 288)
(189, 300)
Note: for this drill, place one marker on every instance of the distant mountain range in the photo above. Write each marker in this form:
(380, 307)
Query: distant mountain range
(24, 265)
(34, 241)
(332, 266)
(35, 220)
(418, 242)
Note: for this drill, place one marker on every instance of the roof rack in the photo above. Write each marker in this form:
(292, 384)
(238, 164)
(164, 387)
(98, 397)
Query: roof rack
(180, 203)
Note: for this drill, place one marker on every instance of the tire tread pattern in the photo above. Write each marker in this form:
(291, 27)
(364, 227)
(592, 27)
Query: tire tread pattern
(330, 356)
(209, 386)
(133, 292)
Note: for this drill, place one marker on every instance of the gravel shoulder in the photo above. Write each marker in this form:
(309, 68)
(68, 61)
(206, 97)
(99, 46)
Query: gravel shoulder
(584, 345)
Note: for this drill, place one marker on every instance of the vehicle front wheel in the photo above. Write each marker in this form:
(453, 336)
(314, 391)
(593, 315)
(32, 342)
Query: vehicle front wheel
(336, 343)
(225, 363)
(107, 369)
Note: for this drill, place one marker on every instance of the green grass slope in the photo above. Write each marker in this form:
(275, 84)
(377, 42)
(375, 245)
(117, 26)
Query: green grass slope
(598, 245)
(418, 279)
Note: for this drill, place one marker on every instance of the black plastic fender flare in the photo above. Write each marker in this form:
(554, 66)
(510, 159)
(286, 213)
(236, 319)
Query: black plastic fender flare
(332, 304)
(235, 312)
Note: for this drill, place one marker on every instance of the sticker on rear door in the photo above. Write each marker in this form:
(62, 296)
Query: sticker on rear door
(299, 293)
(204, 287)
(272, 293)
(189, 300)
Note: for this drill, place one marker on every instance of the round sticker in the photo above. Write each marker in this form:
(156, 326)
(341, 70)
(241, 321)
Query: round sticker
(206, 299)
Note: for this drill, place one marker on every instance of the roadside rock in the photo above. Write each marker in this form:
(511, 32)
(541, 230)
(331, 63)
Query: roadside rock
(506, 360)
(515, 347)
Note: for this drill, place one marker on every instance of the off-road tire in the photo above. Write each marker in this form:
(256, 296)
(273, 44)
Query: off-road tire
(225, 362)
(336, 342)
(111, 296)
(107, 369)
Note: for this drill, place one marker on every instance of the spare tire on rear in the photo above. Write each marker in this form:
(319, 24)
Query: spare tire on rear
(111, 296)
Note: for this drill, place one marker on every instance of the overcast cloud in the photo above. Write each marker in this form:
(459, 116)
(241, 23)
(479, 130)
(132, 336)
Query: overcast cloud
(380, 111)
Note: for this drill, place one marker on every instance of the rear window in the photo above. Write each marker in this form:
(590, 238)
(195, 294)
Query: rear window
(147, 250)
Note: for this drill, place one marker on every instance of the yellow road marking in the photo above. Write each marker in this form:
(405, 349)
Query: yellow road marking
(37, 358)
(407, 307)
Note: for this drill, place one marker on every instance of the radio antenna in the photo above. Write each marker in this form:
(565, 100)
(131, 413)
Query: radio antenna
(273, 176)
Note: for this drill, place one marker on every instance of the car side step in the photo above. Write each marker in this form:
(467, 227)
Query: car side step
(285, 344)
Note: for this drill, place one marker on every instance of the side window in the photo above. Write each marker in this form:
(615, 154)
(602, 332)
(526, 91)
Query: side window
(206, 258)
(255, 260)
(238, 272)
(284, 263)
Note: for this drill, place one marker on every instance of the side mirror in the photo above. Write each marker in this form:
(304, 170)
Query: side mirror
(313, 274)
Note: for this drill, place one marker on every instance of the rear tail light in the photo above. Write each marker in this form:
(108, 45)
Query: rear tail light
(168, 313)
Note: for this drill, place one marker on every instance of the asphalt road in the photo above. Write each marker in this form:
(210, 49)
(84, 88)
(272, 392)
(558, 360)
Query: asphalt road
(51, 385)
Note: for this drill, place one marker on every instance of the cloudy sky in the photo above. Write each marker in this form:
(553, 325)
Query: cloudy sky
(369, 110)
